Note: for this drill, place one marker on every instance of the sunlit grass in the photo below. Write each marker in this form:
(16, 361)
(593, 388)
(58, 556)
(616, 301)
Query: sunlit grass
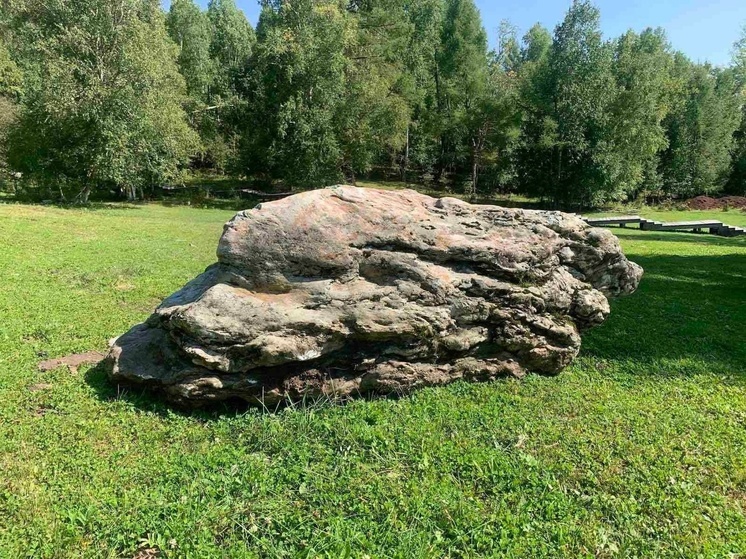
(638, 450)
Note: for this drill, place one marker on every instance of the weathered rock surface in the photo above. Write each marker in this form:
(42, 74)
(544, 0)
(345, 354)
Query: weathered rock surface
(346, 291)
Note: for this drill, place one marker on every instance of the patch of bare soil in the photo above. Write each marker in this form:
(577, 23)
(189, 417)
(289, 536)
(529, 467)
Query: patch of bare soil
(709, 203)
(703, 203)
(39, 387)
(734, 201)
(72, 361)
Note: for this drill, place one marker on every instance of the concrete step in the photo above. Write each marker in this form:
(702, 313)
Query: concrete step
(615, 220)
(650, 225)
(731, 231)
(712, 226)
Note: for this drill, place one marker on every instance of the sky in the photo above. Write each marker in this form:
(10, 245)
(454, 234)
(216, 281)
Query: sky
(704, 30)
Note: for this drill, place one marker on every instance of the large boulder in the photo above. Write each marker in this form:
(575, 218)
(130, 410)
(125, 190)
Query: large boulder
(347, 291)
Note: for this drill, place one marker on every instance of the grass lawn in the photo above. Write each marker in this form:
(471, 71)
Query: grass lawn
(730, 217)
(637, 450)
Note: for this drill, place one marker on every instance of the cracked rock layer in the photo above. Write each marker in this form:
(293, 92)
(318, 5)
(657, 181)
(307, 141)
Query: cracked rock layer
(346, 291)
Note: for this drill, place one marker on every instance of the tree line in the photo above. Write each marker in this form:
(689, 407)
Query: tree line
(120, 95)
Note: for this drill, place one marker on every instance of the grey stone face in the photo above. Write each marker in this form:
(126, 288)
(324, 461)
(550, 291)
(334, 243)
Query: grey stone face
(347, 291)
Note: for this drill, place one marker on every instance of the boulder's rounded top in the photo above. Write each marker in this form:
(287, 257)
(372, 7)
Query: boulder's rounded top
(326, 232)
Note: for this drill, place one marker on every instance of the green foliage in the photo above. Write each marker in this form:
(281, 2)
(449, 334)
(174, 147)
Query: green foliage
(642, 67)
(612, 121)
(638, 450)
(739, 59)
(10, 92)
(704, 116)
(571, 91)
(461, 81)
(737, 181)
(214, 49)
(191, 30)
(296, 90)
(424, 19)
(334, 88)
(324, 97)
(10, 75)
(331, 90)
(536, 45)
(102, 99)
(232, 42)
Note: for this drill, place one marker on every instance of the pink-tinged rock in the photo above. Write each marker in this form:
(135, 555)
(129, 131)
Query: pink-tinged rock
(347, 291)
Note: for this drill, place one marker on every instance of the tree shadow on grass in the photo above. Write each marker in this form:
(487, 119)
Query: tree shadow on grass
(689, 312)
(91, 206)
(228, 204)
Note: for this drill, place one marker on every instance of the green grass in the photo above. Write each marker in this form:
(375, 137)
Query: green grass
(729, 217)
(637, 450)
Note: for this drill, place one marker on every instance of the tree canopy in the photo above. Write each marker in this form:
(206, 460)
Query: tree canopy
(120, 95)
(102, 99)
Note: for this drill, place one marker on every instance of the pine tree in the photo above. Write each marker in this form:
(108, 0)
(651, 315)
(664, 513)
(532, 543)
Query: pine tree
(325, 97)
(294, 91)
(425, 18)
(10, 74)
